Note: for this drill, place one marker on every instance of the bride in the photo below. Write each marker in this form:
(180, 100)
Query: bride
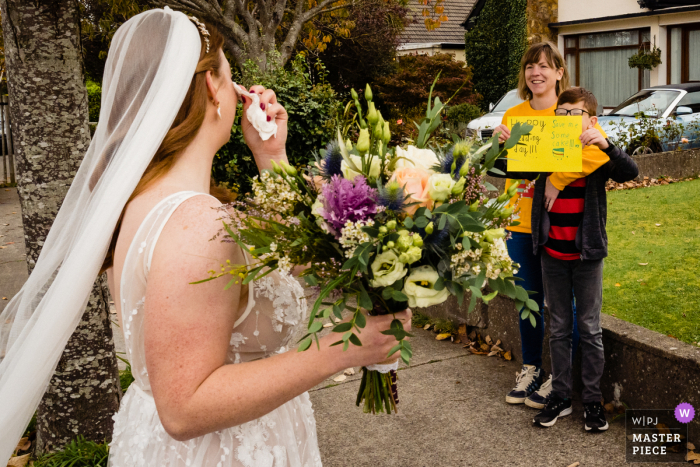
(214, 382)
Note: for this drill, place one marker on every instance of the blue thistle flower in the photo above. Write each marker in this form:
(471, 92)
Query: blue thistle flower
(330, 164)
(392, 195)
(448, 159)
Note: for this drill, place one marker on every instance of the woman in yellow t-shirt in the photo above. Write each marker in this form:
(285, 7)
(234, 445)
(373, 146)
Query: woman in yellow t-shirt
(543, 76)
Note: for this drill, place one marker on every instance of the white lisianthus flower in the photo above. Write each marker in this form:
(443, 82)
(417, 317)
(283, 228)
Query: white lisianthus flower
(419, 288)
(414, 157)
(387, 269)
(440, 186)
(374, 167)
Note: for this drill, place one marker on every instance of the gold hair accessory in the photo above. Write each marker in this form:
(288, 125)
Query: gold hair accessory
(202, 30)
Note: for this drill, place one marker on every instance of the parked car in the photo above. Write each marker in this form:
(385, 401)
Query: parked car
(674, 103)
(484, 125)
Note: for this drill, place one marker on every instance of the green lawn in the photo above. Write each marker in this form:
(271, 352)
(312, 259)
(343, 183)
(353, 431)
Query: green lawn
(664, 295)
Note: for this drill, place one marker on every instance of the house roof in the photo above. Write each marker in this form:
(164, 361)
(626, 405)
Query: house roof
(450, 31)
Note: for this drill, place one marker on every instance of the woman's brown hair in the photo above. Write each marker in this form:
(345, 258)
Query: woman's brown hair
(183, 130)
(554, 59)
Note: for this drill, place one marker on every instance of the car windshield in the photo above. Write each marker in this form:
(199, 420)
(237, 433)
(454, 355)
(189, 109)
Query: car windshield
(650, 102)
(511, 99)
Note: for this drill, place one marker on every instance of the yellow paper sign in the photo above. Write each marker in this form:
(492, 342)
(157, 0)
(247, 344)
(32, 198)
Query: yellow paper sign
(551, 146)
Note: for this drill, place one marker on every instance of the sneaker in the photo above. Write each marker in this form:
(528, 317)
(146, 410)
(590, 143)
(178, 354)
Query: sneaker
(526, 382)
(555, 408)
(594, 417)
(539, 398)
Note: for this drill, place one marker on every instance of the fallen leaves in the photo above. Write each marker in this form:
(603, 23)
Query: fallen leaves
(645, 182)
(426, 327)
(349, 372)
(19, 461)
(658, 225)
(643, 264)
(693, 456)
(24, 444)
(618, 285)
(575, 464)
(690, 446)
(4, 298)
(340, 378)
(443, 336)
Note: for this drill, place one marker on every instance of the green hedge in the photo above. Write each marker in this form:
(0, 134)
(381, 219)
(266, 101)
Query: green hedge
(495, 46)
(94, 91)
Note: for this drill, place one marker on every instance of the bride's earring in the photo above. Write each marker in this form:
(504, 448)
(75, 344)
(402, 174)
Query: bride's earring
(218, 109)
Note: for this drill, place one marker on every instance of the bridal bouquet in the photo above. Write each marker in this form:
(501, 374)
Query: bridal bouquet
(382, 228)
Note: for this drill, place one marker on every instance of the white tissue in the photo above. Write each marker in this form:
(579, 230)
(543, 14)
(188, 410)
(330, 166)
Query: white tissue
(257, 116)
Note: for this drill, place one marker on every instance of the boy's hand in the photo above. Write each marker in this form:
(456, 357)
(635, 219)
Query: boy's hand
(550, 195)
(593, 136)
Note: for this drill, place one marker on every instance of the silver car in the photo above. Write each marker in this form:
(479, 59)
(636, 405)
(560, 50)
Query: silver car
(673, 103)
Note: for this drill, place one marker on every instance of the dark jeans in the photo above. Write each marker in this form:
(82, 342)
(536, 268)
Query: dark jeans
(531, 338)
(585, 278)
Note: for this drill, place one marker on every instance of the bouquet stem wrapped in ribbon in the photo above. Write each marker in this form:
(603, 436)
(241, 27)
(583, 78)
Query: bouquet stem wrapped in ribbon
(383, 228)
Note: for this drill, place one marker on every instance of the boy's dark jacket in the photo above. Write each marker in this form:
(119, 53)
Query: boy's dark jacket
(591, 238)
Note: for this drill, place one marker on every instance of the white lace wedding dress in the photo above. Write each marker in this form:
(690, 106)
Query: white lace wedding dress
(285, 437)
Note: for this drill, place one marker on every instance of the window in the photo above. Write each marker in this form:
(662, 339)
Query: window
(692, 100)
(598, 62)
(683, 57)
(652, 103)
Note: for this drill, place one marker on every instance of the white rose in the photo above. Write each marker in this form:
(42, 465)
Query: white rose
(349, 174)
(387, 269)
(419, 288)
(440, 186)
(422, 158)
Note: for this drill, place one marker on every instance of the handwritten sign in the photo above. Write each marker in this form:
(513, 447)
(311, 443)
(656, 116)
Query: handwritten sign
(551, 146)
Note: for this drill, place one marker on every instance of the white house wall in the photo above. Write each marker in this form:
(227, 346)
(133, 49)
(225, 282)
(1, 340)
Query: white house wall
(576, 10)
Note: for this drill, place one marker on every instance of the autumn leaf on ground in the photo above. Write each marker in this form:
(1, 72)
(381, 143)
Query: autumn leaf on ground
(340, 378)
(507, 355)
(24, 444)
(488, 340)
(426, 327)
(618, 285)
(690, 446)
(496, 348)
(691, 456)
(443, 336)
(349, 372)
(462, 330)
(643, 264)
(492, 353)
(19, 461)
(484, 347)
(575, 464)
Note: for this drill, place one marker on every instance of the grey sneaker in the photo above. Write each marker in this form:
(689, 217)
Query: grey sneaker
(526, 382)
(539, 398)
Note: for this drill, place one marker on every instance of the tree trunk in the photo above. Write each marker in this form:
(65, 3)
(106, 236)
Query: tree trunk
(49, 109)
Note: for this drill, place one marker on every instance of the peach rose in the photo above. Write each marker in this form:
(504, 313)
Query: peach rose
(415, 181)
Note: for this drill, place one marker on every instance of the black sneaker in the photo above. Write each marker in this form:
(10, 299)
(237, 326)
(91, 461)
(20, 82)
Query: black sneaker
(555, 408)
(527, 381)
(594, 417)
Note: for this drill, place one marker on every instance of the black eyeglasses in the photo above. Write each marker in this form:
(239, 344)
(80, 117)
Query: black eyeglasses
(573, 112)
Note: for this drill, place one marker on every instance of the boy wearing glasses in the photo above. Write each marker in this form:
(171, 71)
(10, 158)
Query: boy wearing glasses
(569, 225)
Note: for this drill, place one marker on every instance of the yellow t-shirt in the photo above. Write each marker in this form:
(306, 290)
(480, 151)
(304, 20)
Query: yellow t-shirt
(593, 158)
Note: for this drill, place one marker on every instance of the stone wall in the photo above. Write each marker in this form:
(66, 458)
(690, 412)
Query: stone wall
(539, 14)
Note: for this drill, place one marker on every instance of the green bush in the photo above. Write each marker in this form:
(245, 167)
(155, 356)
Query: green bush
(313, 110)
(94, 97)
(494, 47)
(463, 113)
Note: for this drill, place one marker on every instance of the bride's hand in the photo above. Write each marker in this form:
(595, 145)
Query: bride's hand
(273, 148)
(375, 345)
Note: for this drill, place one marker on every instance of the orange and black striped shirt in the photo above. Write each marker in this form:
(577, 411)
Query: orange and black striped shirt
(564, 220)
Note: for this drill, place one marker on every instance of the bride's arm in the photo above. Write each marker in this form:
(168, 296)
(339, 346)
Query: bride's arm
(188, 330)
